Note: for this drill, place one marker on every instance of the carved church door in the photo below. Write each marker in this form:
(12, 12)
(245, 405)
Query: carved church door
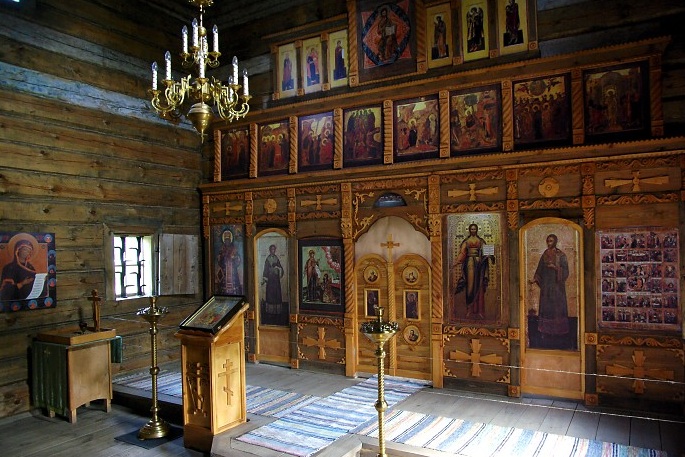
(402, 289)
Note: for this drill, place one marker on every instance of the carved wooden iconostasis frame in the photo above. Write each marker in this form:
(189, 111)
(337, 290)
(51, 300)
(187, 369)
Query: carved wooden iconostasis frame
(508, 177)
(503, 110)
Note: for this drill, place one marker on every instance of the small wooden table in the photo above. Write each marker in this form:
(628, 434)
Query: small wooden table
(70, 369)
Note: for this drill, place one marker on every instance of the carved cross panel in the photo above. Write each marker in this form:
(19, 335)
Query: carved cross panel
(639, 372)
(475, 357)
(321, 343)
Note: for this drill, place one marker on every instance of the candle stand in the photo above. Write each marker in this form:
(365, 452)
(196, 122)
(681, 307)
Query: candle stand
(380, 332)
(155, 427)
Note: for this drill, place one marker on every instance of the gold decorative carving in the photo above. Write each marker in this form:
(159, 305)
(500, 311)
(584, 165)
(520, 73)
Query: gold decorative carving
(588, 184)
(270, 205)
(635, 181)
(552, 170)
(337, 138)
(434, 225)
(292, 127)
(638, 372)
(577, 108)
(320, 320)
(475, 331)
(512, 190)
(548, 187)
(591, 400)
(591, 339)
(641, 341)
(472, 177)
(295, 364)
(217, 155)
(473, 192)
(381, 184)
(514, 391)
(513, 333)
(589, 217)
(388, 145)
(506, 379)
(418, 222)
(507, 116)
(437, 275)
(472, 207)
(444, 107)
(513, 220)
(638, 164)
(638, 199)
(292, 217)
(253, 150)
(319, 215)
(550, 204)
(352, 47)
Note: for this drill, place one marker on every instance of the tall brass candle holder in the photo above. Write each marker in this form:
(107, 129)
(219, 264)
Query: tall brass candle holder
(380, 332)
(156, 427)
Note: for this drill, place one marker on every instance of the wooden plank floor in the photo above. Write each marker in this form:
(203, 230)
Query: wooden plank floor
(35, 435)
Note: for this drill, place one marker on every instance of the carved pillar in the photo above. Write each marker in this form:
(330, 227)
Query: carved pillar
(292, 167)
(350, 286)
(254, 131)
(444, 104)
(249, 214)
(577, 108)
(588, 202)
(512, 200)
(388, 145)
(292, 216)
(437, 307)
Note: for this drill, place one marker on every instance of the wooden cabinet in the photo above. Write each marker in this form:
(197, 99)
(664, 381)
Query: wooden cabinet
(71, 369)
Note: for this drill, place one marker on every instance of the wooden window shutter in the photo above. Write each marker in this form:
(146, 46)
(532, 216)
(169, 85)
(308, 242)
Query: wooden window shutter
(178, 264)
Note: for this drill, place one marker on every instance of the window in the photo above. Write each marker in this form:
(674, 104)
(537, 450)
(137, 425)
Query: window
(133, 266)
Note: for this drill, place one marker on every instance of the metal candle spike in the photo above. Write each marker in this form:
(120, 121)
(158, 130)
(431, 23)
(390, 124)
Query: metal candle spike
(156, 427)
(380, 332)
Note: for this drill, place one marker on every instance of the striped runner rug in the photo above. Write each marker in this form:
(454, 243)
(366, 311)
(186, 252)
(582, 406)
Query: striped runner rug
(260, 400)
(473, 439)
(313, 427)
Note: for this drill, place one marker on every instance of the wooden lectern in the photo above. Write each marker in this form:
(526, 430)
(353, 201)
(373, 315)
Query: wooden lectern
(213, 357)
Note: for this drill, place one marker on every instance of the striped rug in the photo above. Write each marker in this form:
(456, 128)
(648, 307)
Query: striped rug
(260, 400)
(474, 439)
(275, 403)
(313, 427)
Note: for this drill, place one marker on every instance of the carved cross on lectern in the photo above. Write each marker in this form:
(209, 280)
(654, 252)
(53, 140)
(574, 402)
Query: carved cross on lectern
(96, 309)
(475, 357)
(227, 374)
(321, 343)
(390, 244)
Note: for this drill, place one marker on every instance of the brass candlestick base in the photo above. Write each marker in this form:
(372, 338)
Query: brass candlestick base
(380, 332)
(156, 427)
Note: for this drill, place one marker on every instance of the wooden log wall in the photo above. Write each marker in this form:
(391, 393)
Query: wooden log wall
(83, 154)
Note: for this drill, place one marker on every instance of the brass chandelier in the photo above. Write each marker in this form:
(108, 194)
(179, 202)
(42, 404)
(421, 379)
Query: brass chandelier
(201, 91)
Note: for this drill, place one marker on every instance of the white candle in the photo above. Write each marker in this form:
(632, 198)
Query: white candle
(195, 32)
(235, 69)
(184, 34)
(201, 65)
(215, 38)
(167, 58)
(246, 92)
(154, 75)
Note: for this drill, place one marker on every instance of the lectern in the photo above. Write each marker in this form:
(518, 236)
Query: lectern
(213, 358)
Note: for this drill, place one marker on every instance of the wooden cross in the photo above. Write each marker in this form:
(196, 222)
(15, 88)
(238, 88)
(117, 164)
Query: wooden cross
(473, 192)
(321, 343)
(194, 382)
(635, 181)
(475, 357)
(639, 371)
(228, 208)
(227, 374)
(96, 309)
(318, 202)
(390, 245)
